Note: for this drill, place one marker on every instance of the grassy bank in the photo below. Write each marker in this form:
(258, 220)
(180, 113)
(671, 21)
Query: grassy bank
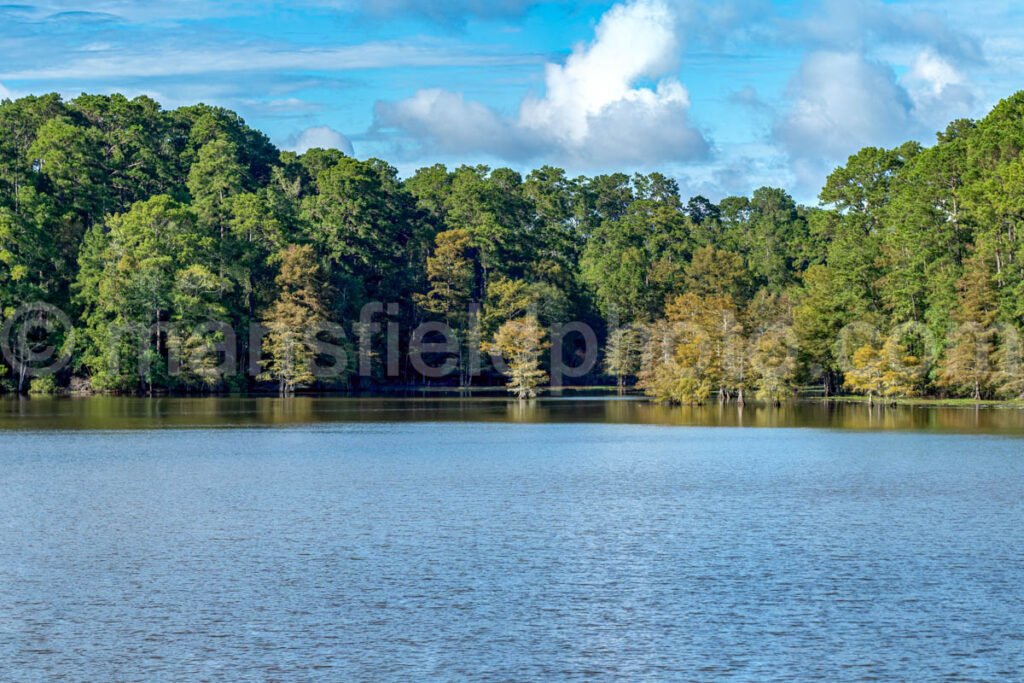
(930, 402)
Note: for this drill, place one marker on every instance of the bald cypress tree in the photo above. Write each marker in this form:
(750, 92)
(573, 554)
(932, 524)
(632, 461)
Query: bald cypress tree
(297, 311)
(968, 364)
(520, 343)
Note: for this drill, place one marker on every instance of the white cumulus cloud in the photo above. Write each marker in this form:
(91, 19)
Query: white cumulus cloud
(631, 42)
(939, 90)
(934, 72)
(594, 109)
(451, 124)
(5, 94)
(840, 102)
(321, 137)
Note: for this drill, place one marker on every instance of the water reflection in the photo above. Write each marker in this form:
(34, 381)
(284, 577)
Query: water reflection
(135, 413)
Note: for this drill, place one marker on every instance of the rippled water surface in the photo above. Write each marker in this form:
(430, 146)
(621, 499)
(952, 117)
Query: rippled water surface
(503, 550)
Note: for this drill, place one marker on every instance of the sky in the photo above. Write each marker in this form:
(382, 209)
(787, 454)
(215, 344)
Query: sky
(725, 96)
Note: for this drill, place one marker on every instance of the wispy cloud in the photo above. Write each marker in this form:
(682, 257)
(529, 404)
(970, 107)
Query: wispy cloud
(450, 13)
(285, 105)
(173, 60)
(846, 25)
(127, 11)
(446, 12)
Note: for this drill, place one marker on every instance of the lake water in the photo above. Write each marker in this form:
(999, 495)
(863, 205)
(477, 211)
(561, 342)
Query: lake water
(336, 540)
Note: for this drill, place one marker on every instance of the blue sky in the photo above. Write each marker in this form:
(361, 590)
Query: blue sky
(725, 96)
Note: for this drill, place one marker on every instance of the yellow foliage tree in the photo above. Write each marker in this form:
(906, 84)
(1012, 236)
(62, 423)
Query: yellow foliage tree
(888, 371)
(290, 319)
(696, 351)
(1009, 361)
(773, 364)
(520, 343)
(968, 364)
(865, 377)
(901, 372)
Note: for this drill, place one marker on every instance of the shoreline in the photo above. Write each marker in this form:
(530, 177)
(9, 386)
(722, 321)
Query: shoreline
(568, 392)
(927, 402)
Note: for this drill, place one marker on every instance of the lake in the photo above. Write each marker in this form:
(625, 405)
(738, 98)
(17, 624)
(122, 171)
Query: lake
(437, 539)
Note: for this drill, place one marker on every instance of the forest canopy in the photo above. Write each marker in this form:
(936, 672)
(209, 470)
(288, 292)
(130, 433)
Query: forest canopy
(187, 228)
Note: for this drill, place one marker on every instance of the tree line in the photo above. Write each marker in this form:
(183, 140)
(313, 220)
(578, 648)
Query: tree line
(907, 278)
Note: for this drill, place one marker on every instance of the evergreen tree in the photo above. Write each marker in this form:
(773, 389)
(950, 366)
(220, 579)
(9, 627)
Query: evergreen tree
(714, 271)
(451, 276)
(127, 273)
(200, 316)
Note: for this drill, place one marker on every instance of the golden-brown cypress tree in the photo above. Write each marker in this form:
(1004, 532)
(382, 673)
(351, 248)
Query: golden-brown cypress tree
(292, 319)
(968, 364)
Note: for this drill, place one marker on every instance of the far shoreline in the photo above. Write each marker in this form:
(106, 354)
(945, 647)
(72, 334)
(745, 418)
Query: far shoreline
(498, 392)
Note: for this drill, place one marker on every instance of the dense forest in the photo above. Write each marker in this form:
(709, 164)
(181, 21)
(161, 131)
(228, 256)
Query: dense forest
(907, 279)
